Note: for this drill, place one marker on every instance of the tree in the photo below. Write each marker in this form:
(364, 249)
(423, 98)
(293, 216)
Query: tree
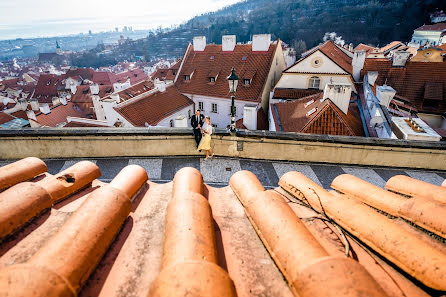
(299, 47)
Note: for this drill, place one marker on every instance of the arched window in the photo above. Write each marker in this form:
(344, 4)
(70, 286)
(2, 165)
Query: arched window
(314, 82)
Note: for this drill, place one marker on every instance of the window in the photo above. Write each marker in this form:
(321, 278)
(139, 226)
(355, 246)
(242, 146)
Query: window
(211, 79)
(200, 105)
(244, 59)
(211, 58)
(214, 125)
(187, 77)
(314, 82)
(247, 81)
(171, 123)
(214, 108)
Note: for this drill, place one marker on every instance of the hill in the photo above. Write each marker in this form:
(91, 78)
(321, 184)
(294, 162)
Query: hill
(375, 22)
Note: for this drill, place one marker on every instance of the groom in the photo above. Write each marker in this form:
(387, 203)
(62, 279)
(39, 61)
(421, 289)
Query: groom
(197, 122)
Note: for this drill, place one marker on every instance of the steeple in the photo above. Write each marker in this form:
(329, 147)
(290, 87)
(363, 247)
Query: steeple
(58, 49)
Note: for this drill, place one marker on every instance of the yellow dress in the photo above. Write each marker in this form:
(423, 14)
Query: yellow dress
(205, 143)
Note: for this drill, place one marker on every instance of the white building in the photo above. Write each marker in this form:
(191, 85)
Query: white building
(430, 34)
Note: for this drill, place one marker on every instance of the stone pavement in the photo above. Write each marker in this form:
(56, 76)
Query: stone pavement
(218, 171)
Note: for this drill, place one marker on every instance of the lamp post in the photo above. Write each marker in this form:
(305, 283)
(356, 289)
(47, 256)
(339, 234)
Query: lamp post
(233, 82)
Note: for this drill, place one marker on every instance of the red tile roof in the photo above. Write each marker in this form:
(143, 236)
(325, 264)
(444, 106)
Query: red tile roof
(104, 78)
(4, 118)
(333, 52)
(9, 83)
(46, 88)
(59, 114)
(262, 121)
(135, 75)
(310, 115)
(135, 90)
(411, 81)
(242, 59)
(434, 27)
(154, 107)
(84, 73)
(84, 100)
(393, 44)
(282, 93)
(364, 47)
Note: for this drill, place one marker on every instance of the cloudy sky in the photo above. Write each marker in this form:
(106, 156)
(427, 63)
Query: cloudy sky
(31, 18)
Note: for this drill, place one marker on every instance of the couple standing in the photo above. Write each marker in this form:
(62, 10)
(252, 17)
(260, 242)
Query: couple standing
(202, 132)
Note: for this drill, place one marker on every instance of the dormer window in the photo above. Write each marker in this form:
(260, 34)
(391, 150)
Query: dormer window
(211, 58)
(244, 59)
(213, 75)
(211, 79)
(187, 77)
(246, 81)
(48, 82)
(247, 77)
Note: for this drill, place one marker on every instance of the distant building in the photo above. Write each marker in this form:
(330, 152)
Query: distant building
(438, 17)
(430, 34)
(56, 58)
(205, 67)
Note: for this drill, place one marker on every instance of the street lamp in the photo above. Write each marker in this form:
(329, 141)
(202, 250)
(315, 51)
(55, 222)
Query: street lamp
(233, 82)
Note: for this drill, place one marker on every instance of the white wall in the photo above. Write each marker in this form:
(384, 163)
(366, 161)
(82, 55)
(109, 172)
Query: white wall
(166, 122)
(326, 65)
(300, 80)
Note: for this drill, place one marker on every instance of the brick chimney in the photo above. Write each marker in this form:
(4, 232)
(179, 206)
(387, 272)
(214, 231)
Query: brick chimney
(199, 43)
(261, 42)
(228, 43)
(339, 94)
(399, 58)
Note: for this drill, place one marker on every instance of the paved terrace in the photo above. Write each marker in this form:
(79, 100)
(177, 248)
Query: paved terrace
(218, 171)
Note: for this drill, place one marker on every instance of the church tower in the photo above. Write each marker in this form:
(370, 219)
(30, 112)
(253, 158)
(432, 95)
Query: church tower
(58, 49)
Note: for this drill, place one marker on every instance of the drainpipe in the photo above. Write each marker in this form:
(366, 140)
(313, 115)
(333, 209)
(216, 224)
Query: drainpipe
(394, 242)
(297, 253)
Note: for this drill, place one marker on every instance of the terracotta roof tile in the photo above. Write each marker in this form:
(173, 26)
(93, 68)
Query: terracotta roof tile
(47, 87)
(242, 59)
(154, 107)
(281, 93)
(333, 52)
(434, 27)
(233, 241)
(364, 47)
(84, 73)
(136, 90)
(58, 115)
(411, 81)
(4, 117)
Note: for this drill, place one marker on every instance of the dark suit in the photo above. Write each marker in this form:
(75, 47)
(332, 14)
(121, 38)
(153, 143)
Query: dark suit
(194, 122)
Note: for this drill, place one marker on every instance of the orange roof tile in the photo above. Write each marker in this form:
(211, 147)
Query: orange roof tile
(434, 27)
(58, 115)
(136, 90)
(242, 59)
(153, 107)
(282, 93)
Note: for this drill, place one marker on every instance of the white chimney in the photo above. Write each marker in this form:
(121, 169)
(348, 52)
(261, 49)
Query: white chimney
(385, 94)
(400, 58)
(350, 47)
(372, 76)
(55, 100)
(63, 100)
(34, 105)
(31, 115)
(228, 43)
(181, 122)
(261, 42)
(250, 117)
(45, 108)
(23, 104)
(94, 89)
(339, 94)
(115, 97)
(160, 85)
(358, 63)
(199, 43)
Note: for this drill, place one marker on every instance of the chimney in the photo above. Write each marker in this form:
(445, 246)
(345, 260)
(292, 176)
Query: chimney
(228, 43)
(350, 47)
(181, 122)
(55, 100)
(372, 76)
(94, 89)
(385, 94)
(358, 64)
(199, 43)
(23, 104)
(261, 42)
(160, 85)
(400, 58)
(339, 94)
(63, 100)
(45, 108)
(34, 105)
(115, 97)
(250, 117)
(31, 115)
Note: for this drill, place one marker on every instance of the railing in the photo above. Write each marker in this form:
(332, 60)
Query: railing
(143, 142)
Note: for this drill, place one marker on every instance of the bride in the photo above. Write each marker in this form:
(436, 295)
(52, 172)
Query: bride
(205, 143)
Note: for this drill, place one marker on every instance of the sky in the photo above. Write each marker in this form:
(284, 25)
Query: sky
(36, 18)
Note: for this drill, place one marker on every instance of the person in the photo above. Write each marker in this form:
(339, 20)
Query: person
(197, 123)
(205, 143)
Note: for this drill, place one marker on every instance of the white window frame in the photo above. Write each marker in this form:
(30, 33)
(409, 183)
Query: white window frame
(214, 108)
(312, 82)
(246, 80)
(200, 105)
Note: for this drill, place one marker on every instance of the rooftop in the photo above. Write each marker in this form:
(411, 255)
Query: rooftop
(121, 227)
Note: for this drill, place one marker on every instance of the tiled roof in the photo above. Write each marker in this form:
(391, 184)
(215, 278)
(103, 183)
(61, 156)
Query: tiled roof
(434, 27)
(310, 115)
(85, 73)
(84, 100)
(135, 75)
(59, 114)
(9, 83)
(334, 53)
(104, 78)
(154, 107)
(134, 237)
(160, 74)
(412, 80)
(47, 87)
(391, 45)
(262, 121)
(364, 47)
(282, 93)
(4, 117)
(199, 64)
(136, 90)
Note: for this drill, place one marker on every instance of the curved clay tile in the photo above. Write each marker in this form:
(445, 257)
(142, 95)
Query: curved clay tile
(189, 262)
(413, 187)
(424, 212)
(68, 258)
(70, 180)
(443, 184)
(306, 265)
(20, 171)
(397, 244)
(130, 186)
